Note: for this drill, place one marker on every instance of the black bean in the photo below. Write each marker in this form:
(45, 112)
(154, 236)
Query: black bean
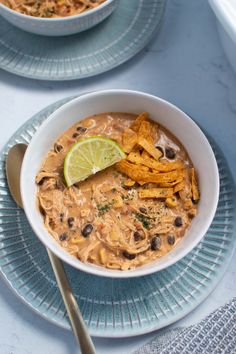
(41, 182)
(160, 148)
(170, 153)
(81, 129)
(171, 239)
(61, 217)
(129, 255)
(57, 147)
(86, 231)
(70, 221)
(143, 210)
(195, 201)
(155, 243)
(63, 237)
(75, 135)
(178, 221)
(137, 236)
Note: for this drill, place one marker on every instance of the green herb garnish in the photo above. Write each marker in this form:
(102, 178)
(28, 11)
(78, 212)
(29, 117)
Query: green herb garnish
(144, 219)
(103, 208)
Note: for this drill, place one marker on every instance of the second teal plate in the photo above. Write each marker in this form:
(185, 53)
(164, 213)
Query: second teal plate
(102, 48)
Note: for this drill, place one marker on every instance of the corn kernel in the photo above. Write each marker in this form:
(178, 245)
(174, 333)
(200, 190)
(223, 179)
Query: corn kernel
(171, 202)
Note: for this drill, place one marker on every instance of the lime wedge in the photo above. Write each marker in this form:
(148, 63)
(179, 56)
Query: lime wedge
(89, 156)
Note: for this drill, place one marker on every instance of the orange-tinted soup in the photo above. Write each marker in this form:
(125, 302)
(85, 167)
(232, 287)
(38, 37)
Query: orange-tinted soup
(105, 219)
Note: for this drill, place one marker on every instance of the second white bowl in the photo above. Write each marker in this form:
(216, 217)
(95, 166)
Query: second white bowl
(59, 26)
(225, 12)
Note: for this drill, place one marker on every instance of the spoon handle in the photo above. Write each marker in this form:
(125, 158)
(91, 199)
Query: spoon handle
(77, 323)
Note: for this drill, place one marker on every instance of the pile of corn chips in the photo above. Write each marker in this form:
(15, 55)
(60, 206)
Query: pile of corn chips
(143, 165)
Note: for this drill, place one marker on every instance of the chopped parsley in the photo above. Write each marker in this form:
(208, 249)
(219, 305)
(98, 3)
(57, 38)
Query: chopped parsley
(144, 219)
(129, 195)
(103, 208)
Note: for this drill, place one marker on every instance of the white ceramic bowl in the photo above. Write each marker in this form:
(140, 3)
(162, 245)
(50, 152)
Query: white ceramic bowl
(59, 26)
(166, 114)
(225, 11)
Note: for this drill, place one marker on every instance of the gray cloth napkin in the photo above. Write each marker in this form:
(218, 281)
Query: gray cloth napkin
(216, 334)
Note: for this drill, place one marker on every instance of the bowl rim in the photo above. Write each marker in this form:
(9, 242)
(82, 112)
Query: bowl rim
(55, 20)
(102, 271)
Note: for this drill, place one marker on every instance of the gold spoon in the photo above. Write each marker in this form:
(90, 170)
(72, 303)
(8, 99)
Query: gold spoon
(13, 167)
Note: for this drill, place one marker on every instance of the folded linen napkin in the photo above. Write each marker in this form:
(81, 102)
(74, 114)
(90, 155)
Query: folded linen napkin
(216, 334)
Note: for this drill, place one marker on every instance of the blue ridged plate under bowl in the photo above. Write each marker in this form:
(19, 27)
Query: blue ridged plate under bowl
(89, 53)
(119, 307)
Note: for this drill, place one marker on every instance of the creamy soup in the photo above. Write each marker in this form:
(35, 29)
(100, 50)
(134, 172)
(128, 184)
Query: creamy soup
(126, 215)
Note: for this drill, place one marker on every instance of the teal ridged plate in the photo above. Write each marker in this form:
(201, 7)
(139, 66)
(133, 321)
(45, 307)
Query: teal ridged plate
(113, 307)
(92, 52)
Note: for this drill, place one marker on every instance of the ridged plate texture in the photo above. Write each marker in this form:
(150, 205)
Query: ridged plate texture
(102, 48)
(119, 307)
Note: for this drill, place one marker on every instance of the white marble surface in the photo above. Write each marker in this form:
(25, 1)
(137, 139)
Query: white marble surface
(184, 64)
